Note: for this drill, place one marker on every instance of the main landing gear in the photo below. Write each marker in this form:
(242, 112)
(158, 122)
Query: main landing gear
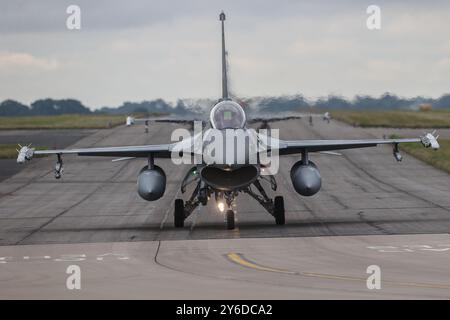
(179, 216)
(202, 193)
(59, 167)
(278, 210)
(274, 207)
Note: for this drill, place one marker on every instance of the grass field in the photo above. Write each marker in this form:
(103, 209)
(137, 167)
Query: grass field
(70, 121)
(395, 119)
(8, 151)
(437, 158)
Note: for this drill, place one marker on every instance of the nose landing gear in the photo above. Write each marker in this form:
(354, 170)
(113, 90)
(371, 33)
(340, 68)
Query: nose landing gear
(230, 219)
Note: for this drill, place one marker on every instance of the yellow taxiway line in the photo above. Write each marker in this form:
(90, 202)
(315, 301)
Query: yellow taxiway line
(241, 260)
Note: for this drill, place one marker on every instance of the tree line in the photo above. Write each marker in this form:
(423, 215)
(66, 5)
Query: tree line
(279, 104)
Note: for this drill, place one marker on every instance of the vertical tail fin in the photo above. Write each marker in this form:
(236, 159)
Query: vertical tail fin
(224, 61)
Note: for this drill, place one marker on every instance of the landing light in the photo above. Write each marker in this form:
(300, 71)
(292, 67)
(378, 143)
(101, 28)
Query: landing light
(221, 206)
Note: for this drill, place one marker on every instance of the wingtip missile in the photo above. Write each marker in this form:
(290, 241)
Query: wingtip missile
(429, 140)
(25, 154)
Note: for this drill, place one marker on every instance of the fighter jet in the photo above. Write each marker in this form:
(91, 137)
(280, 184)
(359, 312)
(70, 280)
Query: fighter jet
(130, 120)
(222, 182)
(264, 119)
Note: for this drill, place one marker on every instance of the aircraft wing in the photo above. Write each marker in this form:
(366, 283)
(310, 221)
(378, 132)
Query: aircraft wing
(298, 146)
(272, 119)
(285, 147)
(291, 116)
(173, 120)
(157, 151)
(132, 120)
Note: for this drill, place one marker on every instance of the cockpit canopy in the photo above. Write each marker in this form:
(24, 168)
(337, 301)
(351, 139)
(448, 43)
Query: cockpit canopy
(227, 115)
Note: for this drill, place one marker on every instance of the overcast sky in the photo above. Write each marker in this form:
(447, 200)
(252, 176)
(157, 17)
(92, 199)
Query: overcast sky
(139, 49)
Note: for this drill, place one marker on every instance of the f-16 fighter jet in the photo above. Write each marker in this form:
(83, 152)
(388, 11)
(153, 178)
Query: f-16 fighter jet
(222, 181)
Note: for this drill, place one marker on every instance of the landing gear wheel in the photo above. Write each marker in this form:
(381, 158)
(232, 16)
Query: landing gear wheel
(178, 214)
(203, 197)
(278, 210)
(230, 219)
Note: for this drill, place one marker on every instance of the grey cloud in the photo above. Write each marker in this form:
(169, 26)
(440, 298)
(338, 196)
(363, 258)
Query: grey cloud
(49, 15)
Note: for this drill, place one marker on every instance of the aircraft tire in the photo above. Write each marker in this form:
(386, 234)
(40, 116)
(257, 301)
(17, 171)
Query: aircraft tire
(278, 210)
(179, 213)
(230, 219)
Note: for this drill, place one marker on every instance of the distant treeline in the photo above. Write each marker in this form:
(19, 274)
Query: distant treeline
(43, 107)
(387, 101)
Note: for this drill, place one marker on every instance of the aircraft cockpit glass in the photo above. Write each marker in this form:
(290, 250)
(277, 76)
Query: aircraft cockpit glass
(227, 115)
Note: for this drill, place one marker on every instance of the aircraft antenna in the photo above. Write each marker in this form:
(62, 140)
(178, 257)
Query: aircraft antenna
(224, 62)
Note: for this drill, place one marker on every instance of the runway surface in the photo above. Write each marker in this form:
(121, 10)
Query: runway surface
(371, 211)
